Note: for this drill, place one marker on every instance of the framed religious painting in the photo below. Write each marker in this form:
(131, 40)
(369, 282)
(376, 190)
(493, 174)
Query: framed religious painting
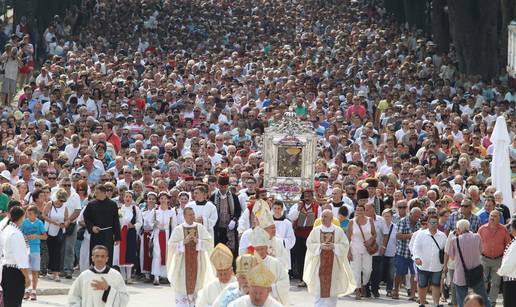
(289, 149)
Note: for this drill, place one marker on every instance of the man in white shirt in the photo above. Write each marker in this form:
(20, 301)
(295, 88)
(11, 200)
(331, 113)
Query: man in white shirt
(376, 275)
(15, 260)
(72, 149)
(428, 254)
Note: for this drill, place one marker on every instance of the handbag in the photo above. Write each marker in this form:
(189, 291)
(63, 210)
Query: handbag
(474, 275)
(372, 248)
(441, 250)
(80, 233)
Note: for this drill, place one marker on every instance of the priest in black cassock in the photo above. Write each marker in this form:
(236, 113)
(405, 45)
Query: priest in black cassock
(101, 219)
(229, 211)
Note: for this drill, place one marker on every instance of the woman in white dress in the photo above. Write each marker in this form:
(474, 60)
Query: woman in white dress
(361, 232)
(151, 199)
(183, 199)
(164, 220)
(131, 221)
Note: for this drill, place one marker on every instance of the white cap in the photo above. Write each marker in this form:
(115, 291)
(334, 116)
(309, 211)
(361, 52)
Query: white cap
(6, 175)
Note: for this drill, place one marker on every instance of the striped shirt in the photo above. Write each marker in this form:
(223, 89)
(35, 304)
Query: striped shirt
(404, 227)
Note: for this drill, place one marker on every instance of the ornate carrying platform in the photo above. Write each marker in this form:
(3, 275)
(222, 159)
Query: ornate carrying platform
(289, 148)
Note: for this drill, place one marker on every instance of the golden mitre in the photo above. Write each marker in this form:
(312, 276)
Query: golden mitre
(221, 257)
(265, 218)
(245, 263)
(260, 276)
(260, 206)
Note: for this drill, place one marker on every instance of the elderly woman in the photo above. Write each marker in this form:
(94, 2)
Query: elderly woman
(508, 270)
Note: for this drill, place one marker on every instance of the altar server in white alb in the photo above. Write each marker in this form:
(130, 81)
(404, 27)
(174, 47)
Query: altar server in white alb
(164, 221)
(188, 264)
(222, 260)
(100, 286)
(284, 229)
(327, 272)
(205, 210)
(261, 279)
(280, 287)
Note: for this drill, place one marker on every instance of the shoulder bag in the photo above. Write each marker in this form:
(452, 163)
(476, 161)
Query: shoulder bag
(389, 236)
(441, 250)
(473, 276)
(372, 248)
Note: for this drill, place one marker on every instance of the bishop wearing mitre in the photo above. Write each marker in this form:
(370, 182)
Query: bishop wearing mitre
(188, 262)
(222, 260)
(327, 272)
(261, 279)
(260, 241)
(233, 291)
(265, 220)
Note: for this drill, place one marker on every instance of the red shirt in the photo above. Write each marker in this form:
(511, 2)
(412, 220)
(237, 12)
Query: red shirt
(494, 241)
(115, 141)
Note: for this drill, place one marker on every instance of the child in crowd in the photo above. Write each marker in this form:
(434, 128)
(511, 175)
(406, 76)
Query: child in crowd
(34, 231)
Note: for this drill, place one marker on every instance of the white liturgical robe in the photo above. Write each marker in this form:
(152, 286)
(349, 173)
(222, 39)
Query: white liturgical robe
(83, 295)
(281, 285)
(245, 301)
(285, 232)
(211, 291)
(176, 263)
(277, 248)
(341, 280)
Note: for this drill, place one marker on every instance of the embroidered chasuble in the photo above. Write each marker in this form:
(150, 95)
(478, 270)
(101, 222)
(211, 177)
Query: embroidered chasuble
(326, 267)
(190, 260)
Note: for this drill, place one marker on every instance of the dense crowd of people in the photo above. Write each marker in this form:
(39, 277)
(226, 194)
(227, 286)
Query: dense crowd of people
(152, 107)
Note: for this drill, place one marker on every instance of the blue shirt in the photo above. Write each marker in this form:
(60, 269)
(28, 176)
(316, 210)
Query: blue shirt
(33, 228)
(94, 176)
(483, 215)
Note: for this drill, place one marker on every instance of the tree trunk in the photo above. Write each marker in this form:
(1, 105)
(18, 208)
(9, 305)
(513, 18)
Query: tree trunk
(415, 13)
(440, 25)
(396, 8)
(474, 28)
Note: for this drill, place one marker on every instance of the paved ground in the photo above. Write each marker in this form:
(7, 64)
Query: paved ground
(149, 295)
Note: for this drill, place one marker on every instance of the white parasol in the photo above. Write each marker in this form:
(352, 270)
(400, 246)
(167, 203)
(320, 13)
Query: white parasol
(500, 166)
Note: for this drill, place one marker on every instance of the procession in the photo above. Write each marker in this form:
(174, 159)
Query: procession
(257, 153)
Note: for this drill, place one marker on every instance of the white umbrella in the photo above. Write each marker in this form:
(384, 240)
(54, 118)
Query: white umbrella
(500, 166)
